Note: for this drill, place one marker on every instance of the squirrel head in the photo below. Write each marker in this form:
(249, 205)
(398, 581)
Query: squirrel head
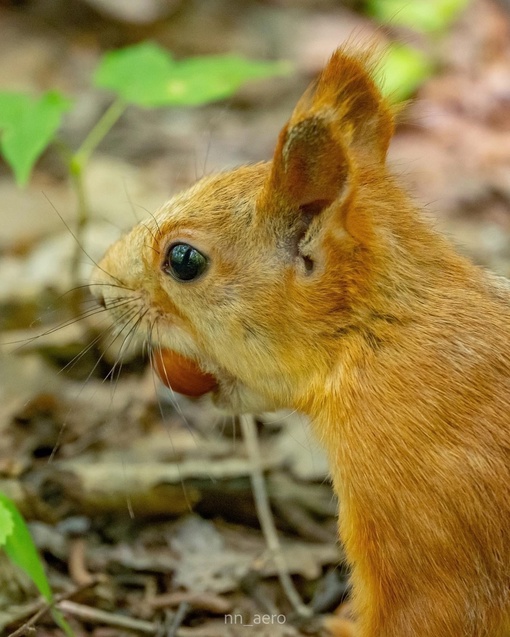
(254, 273)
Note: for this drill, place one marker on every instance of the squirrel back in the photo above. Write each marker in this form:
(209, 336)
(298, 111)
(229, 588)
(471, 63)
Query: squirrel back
(313, 282)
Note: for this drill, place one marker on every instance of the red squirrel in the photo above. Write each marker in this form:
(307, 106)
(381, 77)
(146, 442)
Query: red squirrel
(313, 282)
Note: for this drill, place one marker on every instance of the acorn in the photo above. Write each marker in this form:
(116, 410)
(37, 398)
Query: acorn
(182, 374)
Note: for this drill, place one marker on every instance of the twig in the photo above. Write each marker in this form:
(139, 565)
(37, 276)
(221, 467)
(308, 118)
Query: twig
(111, 619)
(179, 617)
(203, 601)
(266, 517)
(250, 584)
(77, 563)
(46, 607)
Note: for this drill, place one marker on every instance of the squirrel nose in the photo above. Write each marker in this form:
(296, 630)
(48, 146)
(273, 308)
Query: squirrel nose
(100, 299)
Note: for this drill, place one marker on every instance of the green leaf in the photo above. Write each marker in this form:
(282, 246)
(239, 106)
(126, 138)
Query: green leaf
(402, 70)
(137, 73)
(20, 548)
(421, 15)
(201, 80)
(27, 126)
(61, 622)
(145, 74)
(6, 524)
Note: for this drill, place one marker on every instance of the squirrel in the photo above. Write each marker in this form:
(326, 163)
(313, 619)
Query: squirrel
(313, 282)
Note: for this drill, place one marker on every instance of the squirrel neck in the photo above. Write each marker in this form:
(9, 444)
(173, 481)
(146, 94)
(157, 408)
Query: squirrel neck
(418, 291)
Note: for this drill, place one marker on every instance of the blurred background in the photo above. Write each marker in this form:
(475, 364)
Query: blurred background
(142, 508)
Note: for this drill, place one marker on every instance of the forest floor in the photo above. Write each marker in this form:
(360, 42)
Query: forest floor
(142, 507)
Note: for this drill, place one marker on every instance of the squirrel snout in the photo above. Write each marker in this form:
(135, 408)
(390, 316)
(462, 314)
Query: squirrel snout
(97, 289)
(99, 296)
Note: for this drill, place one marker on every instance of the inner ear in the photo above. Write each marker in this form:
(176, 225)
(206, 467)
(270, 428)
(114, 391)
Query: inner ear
(310, 210)
(309, 173)
(310, 166)
(297, 237)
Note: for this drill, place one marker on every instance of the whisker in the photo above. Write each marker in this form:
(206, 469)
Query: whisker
(147, 245)
(281, 418)
(70, 364)
(150, 231)
(87, 380)
(234, 431)
(155, 220)
(207, 152)
(162, 414)
(130, 335)
(94, 341)
(126, 319)
(51, 310)
(89, 285)
(167, 384)
(86, 286)
(128, 339)
(89, 376)
(130, 201)
(78, 242)
(87, 314)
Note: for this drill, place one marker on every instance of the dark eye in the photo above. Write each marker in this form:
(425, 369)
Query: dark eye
(184, 262)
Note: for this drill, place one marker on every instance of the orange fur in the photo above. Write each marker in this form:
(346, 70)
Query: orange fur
(329, 293)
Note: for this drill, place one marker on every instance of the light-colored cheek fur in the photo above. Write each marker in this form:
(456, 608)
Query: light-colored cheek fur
(233, 398)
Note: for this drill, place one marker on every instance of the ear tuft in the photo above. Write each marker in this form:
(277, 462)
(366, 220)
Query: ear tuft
(347, 91)
(340, 122)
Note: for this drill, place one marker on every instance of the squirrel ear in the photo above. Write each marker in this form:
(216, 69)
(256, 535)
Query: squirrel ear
(340, 120)
(346, 90)
(310, 166)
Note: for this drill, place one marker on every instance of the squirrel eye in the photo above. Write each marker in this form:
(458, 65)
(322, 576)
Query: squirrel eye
(184, 262)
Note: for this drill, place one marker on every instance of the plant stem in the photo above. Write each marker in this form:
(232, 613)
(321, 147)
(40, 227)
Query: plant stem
(77, 176)
(77, 166)
(96, 135)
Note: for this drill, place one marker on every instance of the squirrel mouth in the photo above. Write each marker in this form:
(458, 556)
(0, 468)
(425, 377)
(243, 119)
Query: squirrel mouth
(229, 395)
